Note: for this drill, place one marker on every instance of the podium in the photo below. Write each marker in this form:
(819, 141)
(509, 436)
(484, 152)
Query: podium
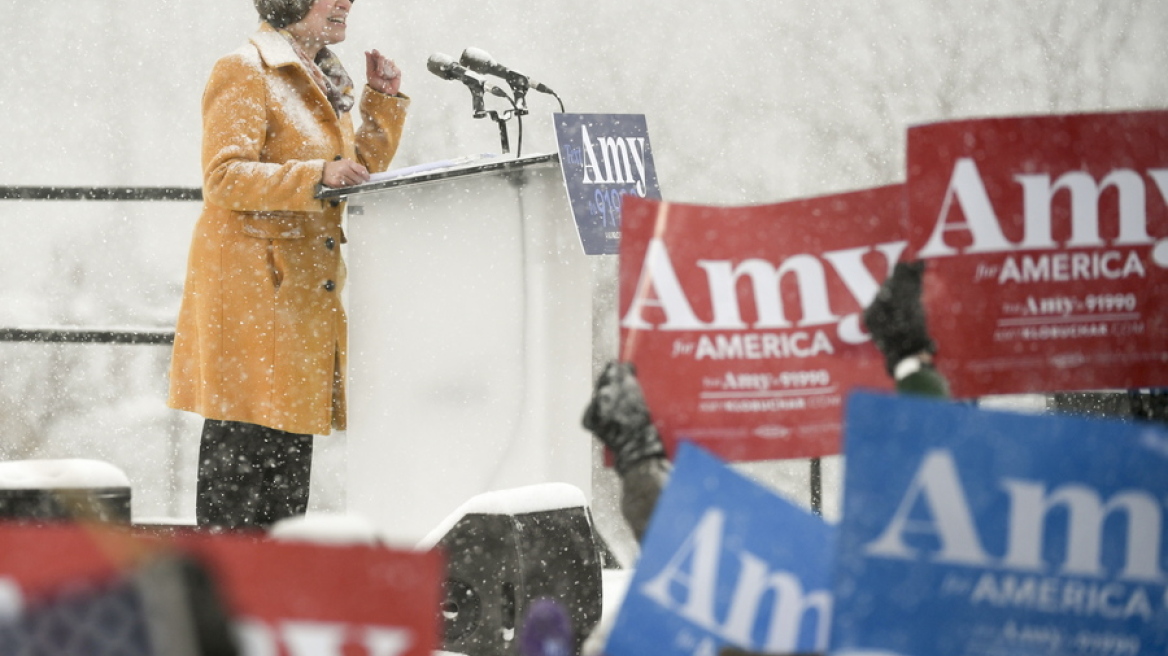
(470, 340)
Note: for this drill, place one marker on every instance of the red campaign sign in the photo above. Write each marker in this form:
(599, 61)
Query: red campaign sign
(744, 322)
(1047, 246)
(283, 597)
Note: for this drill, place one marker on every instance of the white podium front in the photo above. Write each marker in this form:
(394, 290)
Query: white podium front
(470, 340)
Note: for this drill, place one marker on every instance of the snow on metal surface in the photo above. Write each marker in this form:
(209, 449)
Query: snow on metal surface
(516, 501)
(67, 473)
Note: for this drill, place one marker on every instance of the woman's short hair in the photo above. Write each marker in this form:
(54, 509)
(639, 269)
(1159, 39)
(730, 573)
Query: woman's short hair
(282, 13)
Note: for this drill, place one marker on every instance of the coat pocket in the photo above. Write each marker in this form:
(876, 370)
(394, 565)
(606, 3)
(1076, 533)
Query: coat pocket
(275, 228)
(273, 225)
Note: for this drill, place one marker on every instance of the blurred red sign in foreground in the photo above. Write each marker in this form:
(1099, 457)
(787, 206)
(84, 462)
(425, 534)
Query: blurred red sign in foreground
(283, 597)
(743, 322)
(1047, 246)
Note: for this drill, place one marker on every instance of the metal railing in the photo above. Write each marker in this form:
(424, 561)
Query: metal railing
(133, 336)
(87, 336)
(101, 193)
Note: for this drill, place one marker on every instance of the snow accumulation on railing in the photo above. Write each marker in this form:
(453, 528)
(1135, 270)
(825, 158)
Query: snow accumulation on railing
(102, 193)
(95, 335)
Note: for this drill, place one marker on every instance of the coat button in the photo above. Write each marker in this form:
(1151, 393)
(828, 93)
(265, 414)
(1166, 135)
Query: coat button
(329, 243)
(329, 285)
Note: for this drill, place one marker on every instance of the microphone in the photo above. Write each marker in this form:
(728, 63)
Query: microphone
(481, 62)
(446, 68)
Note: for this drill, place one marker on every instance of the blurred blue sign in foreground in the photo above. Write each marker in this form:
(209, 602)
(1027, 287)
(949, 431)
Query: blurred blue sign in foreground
(726, 561)
(974, 532)
(603, 157)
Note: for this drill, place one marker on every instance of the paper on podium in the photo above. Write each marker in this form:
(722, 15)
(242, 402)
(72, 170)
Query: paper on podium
(429, 167)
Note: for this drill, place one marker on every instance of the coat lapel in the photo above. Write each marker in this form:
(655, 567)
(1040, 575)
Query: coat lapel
(276, 52)
(274, 48)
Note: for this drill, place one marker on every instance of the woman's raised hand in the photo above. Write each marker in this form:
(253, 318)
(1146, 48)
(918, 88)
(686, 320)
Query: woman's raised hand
(383, 74)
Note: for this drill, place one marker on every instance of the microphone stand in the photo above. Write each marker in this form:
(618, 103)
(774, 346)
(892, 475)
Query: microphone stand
(502, 121)
(478, 105)
(476, 96)
(502, 118)
(515, 111)
(519, 86)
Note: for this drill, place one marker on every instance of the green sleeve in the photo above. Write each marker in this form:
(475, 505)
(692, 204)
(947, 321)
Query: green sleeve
(925, 381)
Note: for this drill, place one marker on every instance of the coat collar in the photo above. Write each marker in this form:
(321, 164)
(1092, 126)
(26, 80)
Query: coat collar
(273, 47)
(329, 75)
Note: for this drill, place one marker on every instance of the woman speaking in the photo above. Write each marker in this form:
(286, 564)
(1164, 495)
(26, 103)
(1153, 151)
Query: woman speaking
(260, 343)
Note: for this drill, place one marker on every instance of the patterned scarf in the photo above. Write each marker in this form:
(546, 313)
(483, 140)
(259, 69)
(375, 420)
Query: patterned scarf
(329, 75)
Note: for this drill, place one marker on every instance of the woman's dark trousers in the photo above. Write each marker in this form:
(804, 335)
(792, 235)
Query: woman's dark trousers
(250, 476)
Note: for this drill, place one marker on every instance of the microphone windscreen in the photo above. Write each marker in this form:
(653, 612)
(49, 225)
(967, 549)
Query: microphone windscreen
(477, 60)
(440, 65)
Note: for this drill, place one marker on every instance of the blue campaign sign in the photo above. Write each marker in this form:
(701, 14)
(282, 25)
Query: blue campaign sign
(604, 157)
(726, 561)
(975, 532)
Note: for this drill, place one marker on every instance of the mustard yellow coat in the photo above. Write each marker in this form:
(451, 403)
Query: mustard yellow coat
(261, 334)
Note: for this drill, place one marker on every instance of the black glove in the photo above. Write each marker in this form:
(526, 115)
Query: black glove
(1149, 404)
(619, 418)
(896, 318)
